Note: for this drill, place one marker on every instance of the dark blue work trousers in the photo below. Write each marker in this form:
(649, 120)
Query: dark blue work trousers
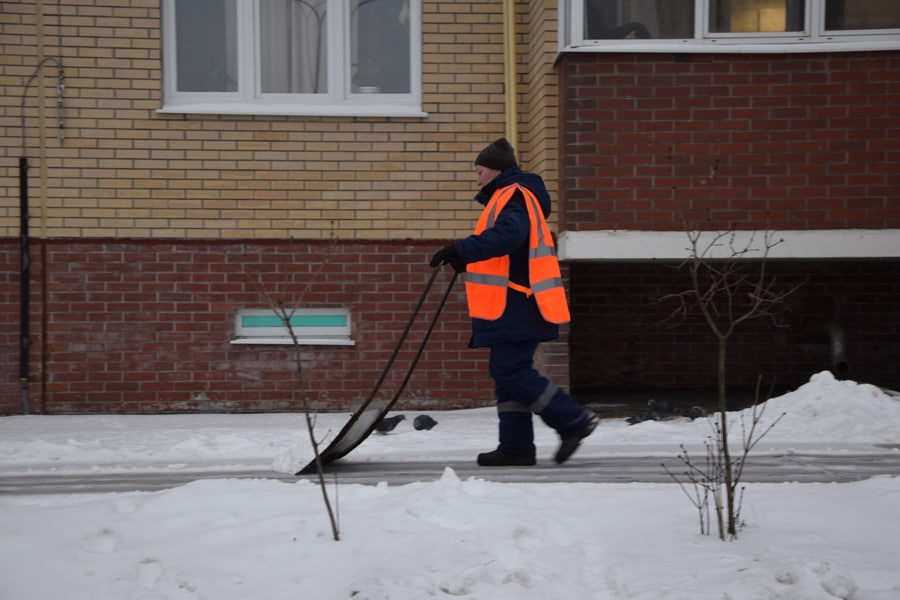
(522, 391)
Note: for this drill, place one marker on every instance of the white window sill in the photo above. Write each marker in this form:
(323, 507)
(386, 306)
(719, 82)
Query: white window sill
(724, 45)
(283, 109)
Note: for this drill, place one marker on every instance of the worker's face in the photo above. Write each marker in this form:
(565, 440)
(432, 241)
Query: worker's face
(485, 175)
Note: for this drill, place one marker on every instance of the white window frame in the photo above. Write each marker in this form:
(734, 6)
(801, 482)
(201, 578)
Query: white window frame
(814, 37)
(338, 101)
(306, 324)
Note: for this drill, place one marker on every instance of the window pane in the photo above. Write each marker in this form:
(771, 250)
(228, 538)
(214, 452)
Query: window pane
(379, 46)
(862, 14)
(206, 45)
(755, 16)
(638, 19)
(293, 50)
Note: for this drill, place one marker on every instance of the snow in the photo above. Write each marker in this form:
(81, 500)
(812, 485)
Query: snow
(236, 538)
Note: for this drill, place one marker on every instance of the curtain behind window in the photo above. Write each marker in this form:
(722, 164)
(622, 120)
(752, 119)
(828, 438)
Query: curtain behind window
(292, 47)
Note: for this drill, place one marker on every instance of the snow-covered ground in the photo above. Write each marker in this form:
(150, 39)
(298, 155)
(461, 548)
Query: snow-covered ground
(239, 539)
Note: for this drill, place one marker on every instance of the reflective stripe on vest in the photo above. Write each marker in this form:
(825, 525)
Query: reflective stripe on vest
(487, 281)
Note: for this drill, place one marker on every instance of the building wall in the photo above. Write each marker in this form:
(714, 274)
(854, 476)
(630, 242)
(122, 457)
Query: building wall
(126, 181)
(540, 91)
(750, 142)
(784, 141)
(124, 170)
(146, 326)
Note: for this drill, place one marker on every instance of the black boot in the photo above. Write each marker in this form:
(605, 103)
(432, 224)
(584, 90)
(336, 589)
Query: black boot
(570, 443)
(499, 458)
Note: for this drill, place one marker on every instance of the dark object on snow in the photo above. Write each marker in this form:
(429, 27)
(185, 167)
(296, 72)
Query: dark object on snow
(695, 412)
(387, 424)
(423, 422)
(659, 410)
(662, 408)
(648, 415)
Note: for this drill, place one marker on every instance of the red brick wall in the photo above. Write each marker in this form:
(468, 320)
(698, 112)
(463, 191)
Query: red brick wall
(788, 141)
(620, 338)
(10, 289)
(780, 141)
(144, 326)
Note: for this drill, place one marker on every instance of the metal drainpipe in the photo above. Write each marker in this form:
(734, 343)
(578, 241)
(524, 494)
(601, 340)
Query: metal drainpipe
(509, 72)
(24, 245)
(25, 264)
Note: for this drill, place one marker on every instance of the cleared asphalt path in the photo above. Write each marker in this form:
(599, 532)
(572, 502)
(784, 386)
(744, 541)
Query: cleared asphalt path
(802, 468)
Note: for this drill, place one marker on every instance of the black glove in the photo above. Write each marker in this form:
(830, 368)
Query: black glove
(448, 255)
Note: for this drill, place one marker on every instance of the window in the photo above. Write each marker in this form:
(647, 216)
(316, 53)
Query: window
(328, 57)
(614, 19)
(311, 326)
(756, 16)
(738, 25)
(841, 15)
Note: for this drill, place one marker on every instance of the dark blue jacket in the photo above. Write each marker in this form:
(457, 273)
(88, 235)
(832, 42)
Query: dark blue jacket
(522, 320)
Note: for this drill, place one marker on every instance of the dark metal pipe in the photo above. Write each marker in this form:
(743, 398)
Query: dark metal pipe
(837, 347)
(24, 339)
(25, 263)
(840, 367)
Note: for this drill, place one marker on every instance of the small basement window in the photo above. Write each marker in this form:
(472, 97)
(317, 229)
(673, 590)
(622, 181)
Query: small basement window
(311, 327)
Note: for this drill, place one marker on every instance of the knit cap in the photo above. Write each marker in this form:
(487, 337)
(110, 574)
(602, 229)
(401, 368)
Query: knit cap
(498, 155)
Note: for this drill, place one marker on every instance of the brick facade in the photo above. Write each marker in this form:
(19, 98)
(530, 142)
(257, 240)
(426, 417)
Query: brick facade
(780, 142)
(145, 225)
(145, 326)
(132, 209)
(784, 141)
(124, 170)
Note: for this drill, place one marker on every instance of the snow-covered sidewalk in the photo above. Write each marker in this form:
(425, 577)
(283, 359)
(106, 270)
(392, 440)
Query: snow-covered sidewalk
(229, 538)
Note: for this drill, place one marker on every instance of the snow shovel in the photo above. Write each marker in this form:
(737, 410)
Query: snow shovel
(363, 421)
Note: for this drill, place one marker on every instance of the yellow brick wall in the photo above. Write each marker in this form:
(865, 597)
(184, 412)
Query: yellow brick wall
(125, 171)
(540, 107)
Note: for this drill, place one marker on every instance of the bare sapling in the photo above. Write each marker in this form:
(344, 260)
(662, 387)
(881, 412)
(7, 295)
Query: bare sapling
(285, 315)
(706, 481)
(729, 287)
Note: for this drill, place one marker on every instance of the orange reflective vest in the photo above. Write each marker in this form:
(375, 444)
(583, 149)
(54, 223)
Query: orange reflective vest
(487, 280)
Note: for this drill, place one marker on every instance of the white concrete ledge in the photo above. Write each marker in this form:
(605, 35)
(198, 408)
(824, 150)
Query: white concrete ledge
(609, 245)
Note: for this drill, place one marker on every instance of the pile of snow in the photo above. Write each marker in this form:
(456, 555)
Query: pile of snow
(831, 409)
(233, 539)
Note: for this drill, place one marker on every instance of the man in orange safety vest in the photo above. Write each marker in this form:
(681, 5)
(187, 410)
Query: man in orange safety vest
(516, 300)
